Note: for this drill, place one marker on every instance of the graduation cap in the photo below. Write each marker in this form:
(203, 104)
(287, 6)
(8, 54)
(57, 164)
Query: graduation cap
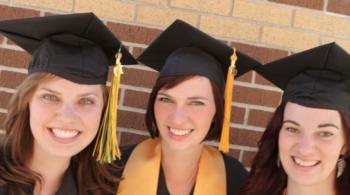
(182, 49)
(79, 48)
(318, 77)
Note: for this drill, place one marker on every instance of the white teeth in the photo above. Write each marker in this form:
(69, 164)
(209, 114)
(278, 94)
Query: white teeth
(180, 132)
(305, 163)
(64, 133)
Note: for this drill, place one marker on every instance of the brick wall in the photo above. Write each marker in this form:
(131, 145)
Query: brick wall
(264, 29)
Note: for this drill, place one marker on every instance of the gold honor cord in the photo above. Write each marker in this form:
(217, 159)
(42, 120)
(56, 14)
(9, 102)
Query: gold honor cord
(106, 149)
(225, 133)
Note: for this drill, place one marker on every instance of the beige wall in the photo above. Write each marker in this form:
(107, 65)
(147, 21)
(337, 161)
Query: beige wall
(264, 29)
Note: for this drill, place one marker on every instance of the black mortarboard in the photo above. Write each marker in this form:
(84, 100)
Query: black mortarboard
(318, 77)
(182, 49)
(77, 47)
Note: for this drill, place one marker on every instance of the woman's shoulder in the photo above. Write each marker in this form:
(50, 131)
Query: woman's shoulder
(233, 165)
(126, 151)
(235, 174)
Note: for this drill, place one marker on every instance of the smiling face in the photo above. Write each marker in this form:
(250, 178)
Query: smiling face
(185, 112)
(64, 116)
(310, 143)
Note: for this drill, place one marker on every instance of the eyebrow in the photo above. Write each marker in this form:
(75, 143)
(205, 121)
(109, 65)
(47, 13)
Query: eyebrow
(80, 95)
(328, 125)
(190, 98)
(290, 121)
(319, 126)
(49, 90)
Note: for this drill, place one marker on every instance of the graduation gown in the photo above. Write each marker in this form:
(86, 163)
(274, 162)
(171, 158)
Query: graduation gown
(235, 173)
(68, 186)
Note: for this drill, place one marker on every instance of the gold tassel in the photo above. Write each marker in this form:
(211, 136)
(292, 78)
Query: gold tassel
(225, 133)
(106, 149)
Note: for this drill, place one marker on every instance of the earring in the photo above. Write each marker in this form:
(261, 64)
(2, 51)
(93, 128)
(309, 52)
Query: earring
(340, 167)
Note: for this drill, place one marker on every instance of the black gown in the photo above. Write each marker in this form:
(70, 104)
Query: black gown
(235, 173)
(68, 186)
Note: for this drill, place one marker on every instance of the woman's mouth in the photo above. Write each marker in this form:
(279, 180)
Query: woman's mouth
(64, 136)
(305, 163)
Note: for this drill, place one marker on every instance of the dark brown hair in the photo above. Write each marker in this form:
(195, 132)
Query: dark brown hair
(266, 178)
(17, 148)
(173, 81)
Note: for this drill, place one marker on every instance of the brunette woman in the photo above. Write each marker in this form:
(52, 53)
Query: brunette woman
(305, 147)
(186, 108)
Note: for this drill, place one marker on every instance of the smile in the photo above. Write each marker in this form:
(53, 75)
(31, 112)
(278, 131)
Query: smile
(305, 163)
(64, 134)
(180, 132)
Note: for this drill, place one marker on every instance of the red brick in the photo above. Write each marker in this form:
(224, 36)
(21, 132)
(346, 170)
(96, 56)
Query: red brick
(136, 99)
(137, 51)
(248, 158)
(247, 77)
(339, 6)
(14, 58)
(262, 81)
(50, 14)
(262, 54)
(11, 79)
(237, 114)
(4, 99)
(132, 120)
(244, 137)
(259, 118)
(14, 12)
(2, 120)
(140, 78)
(234, 153)
(312, 4)
(134, 34)
(131, 138)
(256, 96)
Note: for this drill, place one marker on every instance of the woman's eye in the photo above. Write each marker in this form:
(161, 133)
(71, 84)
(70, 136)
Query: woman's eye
(291, 129)
(325, 134)
(86, 101)
(196, 103)
(49, 97)
(164, 99)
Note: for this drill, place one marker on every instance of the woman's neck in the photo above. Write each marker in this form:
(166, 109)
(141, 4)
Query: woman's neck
(180, 168)
(51, 170)
(326, 188)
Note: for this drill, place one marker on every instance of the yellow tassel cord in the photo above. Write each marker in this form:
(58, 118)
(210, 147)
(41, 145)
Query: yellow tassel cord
(225, 133)
(106, 149)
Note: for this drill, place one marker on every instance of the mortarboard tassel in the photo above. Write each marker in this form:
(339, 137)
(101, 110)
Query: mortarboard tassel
(225, 133)
(106, 149)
